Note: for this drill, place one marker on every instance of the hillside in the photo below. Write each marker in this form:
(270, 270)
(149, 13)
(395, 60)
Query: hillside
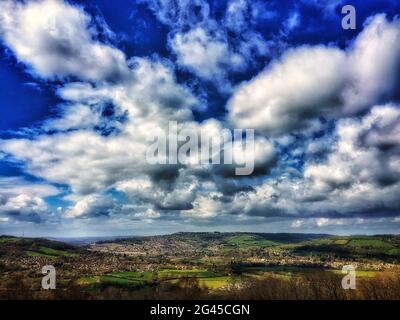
(379, 247)
(35, 247)
(214, 261)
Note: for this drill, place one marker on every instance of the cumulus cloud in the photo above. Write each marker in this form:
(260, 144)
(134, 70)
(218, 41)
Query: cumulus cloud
(320, 81)
(205, 54)
(285, 96)
(90, 206)
(21, 200)
(74, 117)
(24, 207)
(212, 48)
(205, 207)
(181, 12)
(80, 155)
(10, 186)
(326, 222)
(372, 82)
(359, 177)
(99, 140)
(96, 146)
(43, 33)
(238, 13)
(367, 149)
(151, 91)
(259, 156)
(148, 215)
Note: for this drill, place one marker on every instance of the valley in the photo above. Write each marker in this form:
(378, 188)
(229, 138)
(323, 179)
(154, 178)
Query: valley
(213, 264)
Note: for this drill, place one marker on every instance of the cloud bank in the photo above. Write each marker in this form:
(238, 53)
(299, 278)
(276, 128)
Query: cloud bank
(326, 118)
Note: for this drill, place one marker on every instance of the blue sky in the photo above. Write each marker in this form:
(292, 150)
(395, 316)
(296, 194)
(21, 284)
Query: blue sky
(82, 84)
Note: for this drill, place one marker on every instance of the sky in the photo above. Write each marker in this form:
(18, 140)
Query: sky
(83, 84)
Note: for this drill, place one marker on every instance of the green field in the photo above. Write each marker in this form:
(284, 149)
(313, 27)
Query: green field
(132, 278)
(249, 241)
(39, 254)
(208, 279)
(211, 280)
(210, 263)
(371, 244)
(9, 239)
(133, 275)
(341, 241)
(193, 273)
(359, 273)
(216, 282)
(50, 253)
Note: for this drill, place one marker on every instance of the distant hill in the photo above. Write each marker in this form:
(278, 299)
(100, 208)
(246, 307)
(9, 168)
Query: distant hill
(83, 241)
(381, 247)
(36, 247)
(227, 236)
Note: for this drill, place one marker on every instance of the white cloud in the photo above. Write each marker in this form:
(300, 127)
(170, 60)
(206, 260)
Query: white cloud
(90, 164)
(205, 207)
(148, 214)
(91, 205)
(75, 116)
(323, 222)
(359, 177)
(292, 22)
(311, 82)
(21, 200)
(211, 49)
(297, 224)
(180, 13)
(11, 186)
(57, 40)
(369, 82)
(291, 92)
(237, 15)
(23, 203)
(207, 55)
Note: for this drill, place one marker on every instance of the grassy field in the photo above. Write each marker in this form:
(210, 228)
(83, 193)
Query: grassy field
(214, 283)
(208, 279)
(39, 254)
(249, 241)
(131, 278)
(9, 239)
(378, 247)
(341, 241)
(194, 273)
(211, 264)
(351, 246)
(359, 273)
(50, 253)
(371, 244)
(113, 279)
